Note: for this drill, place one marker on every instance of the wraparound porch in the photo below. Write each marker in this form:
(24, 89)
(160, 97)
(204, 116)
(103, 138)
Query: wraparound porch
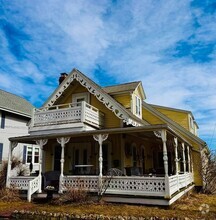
(163, 186)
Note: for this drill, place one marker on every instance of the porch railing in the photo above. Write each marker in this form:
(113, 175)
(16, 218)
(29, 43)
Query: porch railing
(117, 185)
(89, 183)
(177, 182)
(29, 183)
(21, 182)
(33, 187)
(154, 186)
(68, 113)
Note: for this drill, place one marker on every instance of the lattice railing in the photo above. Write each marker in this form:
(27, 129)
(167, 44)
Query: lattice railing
(21, 182)
(89, 183)
(154, 186)
(68, 113)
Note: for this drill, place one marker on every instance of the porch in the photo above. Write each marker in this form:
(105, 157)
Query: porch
(121, 149)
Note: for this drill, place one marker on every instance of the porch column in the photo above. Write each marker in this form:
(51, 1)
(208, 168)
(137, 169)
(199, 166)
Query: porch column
(62, 141)
(165, 159)
(40, 143)
(188, 153)
(176, 155)
(100, 138)
(183, 155)
(176, 160)
(11, 147)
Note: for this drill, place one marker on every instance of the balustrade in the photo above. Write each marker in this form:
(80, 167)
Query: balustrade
(20, 182)
(68, 113)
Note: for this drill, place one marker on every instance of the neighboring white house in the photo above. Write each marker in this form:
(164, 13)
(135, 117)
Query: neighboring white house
(15, 114)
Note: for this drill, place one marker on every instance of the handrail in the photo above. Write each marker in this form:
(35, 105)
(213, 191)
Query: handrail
(33, 186)
(68, 113)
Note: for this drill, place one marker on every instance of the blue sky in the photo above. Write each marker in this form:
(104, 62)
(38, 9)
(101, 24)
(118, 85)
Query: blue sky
(167, 44)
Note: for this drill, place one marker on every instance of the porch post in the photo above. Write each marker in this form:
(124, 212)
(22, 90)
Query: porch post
(62, 141)
(11, 147)
(188, 153)
(40, 143)
(176, 160)
(100, 138)
(183, 155)
(176, 155)
(165, 159)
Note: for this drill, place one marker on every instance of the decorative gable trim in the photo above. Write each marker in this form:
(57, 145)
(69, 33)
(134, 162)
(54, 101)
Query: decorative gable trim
(96, 91)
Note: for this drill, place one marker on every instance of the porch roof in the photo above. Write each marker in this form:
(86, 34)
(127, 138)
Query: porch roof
(127, 130)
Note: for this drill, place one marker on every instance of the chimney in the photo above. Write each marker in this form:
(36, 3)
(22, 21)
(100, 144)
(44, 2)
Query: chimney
(62, 77)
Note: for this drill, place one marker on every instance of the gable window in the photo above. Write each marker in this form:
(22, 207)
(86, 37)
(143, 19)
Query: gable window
(137, 106)
(1, 152)
(2, 120)
(79, 97)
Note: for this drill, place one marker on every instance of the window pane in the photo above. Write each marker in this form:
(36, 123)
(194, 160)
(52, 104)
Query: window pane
(36, 155)
(29, 155)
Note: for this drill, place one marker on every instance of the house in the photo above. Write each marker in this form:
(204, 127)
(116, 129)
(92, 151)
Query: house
(112, 143)
(15, 114)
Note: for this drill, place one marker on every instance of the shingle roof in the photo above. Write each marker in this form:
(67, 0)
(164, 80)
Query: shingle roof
(121, 87)
(16, 104)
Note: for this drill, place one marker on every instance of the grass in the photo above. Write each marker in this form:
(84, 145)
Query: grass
(186, 207)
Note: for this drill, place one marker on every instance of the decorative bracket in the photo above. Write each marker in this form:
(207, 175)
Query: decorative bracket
(41, 142)
(100, 138)
(63, 140)
(13, 145)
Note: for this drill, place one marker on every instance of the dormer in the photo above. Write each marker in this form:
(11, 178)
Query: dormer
(130, 95)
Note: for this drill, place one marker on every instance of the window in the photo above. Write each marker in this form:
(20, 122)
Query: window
(1, 152)
(36, 155)
(29, 155)
(138, 106)
(32, 154)
(2, 120)
(79, 97)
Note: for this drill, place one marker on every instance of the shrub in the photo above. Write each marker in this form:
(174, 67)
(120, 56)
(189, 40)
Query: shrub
(72, 195)
(9, 194)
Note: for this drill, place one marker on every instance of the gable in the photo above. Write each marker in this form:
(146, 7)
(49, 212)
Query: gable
(95, 90)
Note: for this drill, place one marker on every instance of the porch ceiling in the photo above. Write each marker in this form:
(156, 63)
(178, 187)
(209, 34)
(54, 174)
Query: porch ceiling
(141, 131)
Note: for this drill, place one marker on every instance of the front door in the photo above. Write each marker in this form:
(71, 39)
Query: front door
(57, 158)
(81, 158)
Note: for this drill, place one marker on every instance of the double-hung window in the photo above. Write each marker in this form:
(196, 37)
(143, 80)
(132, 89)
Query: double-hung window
(137, 106)
(2, 120)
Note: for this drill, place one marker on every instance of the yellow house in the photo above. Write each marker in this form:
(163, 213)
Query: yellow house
(113, 143)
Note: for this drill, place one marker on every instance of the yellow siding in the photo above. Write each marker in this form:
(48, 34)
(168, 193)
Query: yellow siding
(179, 117)
(48, 149)
(149, 117)
(111, 121)
(196, 159)
(124, 100)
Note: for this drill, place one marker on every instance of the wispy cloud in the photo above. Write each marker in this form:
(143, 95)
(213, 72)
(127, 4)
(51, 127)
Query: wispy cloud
(168, 44)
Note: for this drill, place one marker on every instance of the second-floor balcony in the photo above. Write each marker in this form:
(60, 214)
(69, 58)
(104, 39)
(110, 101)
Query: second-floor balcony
(67, 114)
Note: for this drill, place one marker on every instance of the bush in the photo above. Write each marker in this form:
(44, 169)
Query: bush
(9, 194)
(72, 195)
(21, 170)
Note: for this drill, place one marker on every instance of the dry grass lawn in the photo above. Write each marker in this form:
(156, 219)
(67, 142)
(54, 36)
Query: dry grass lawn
(186, 207)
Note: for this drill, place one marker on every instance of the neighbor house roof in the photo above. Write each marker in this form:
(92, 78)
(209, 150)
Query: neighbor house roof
(15, 104)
